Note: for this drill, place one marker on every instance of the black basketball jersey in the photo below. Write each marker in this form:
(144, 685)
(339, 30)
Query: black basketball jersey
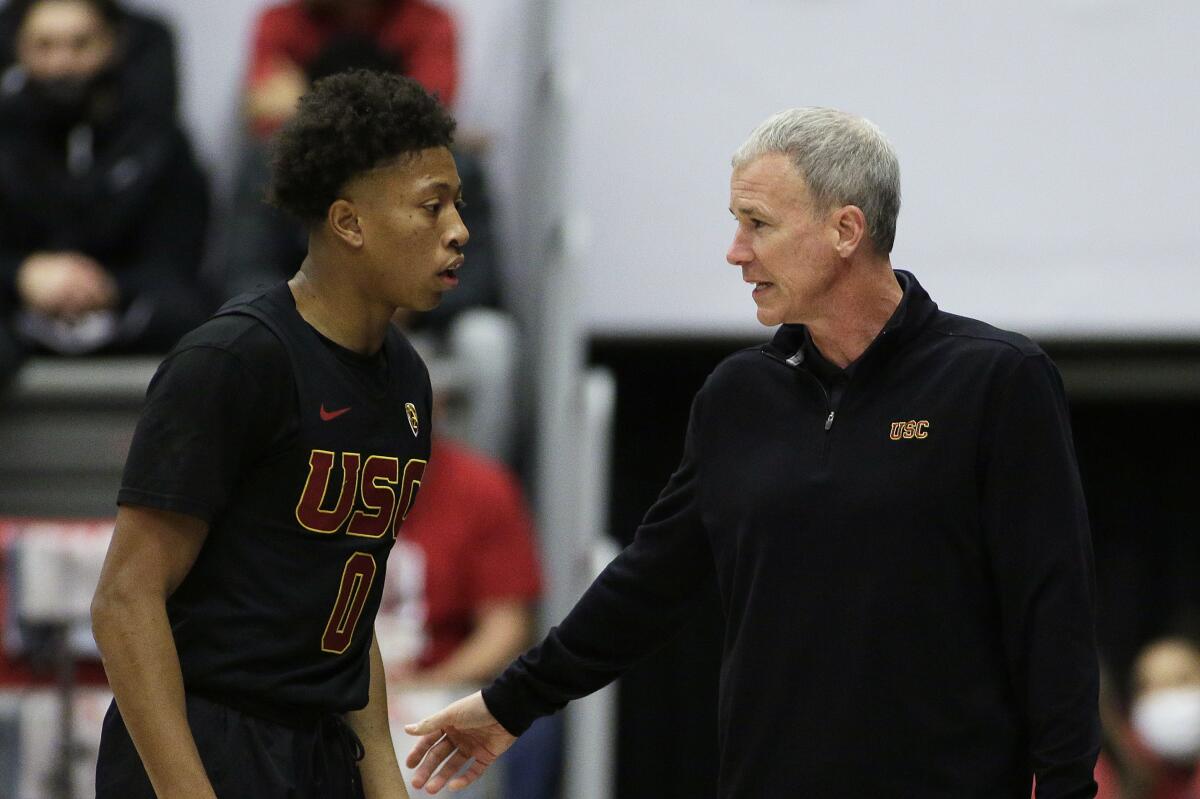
(279, 607)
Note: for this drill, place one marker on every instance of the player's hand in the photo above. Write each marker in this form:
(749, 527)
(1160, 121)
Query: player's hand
(464, 731)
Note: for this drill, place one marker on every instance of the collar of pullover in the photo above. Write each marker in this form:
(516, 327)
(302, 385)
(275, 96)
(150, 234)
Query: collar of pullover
(911, 315)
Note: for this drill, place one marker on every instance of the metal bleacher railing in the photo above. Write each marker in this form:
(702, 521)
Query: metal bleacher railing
(65, 429)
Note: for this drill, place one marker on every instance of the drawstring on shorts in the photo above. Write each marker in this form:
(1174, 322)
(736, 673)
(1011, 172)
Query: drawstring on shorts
(350, 747)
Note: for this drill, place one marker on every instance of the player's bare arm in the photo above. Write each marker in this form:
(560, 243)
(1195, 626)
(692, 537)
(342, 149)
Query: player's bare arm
(380, 772)
(150, 554)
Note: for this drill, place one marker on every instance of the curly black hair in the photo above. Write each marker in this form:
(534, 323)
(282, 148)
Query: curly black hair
(348, 124)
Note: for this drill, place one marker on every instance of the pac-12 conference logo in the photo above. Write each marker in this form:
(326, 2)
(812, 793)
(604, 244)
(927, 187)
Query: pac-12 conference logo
(410, 410)
(910, 429)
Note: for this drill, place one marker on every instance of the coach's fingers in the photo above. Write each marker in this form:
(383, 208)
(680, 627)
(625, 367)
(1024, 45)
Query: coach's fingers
(434, 723)
(467, 713)
(448, 770)
(469, 776)
(441, 750)
(423, 745)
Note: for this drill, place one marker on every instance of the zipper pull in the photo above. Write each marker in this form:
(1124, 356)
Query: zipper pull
(829, 421)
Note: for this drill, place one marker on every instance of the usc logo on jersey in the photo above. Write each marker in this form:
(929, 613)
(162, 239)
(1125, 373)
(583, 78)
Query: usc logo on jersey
(910, 429)
(376, 496)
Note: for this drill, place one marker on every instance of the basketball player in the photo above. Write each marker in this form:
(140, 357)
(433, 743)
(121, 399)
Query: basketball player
(281, 447)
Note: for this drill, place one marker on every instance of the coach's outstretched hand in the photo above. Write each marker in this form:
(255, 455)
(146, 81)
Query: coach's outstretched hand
(463, 731)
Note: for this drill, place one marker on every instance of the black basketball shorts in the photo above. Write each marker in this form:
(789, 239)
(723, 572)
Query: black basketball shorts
(246, 757)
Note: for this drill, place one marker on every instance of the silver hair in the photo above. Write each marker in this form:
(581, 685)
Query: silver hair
(843, 159)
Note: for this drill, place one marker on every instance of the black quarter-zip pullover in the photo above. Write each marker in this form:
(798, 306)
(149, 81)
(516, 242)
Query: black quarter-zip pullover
(904, 563)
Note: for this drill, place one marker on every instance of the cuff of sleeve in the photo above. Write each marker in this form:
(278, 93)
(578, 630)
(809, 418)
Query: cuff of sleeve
(10, 264)
(505, 706)
(171, 502)
(1067, 782)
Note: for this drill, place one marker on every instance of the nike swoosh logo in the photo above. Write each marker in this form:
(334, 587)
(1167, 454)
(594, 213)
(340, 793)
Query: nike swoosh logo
(329, 416)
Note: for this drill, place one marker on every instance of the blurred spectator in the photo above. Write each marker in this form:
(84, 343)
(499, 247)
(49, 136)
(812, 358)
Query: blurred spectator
(146, 56)
(102, 207)
(1157, 755)
(291, 38)
(299, 42)
(458, 601)
(469, 576)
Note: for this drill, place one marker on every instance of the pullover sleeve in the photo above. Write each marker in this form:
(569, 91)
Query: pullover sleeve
(170, 247)
(1039, 543)
(17, 242)
(10, 265)
(631, 609)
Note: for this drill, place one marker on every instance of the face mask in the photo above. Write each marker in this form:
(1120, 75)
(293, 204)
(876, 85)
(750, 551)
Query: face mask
(61, 100)
(1168, 721)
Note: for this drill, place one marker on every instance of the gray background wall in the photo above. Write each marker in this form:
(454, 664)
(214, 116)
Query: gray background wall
(1050, 170)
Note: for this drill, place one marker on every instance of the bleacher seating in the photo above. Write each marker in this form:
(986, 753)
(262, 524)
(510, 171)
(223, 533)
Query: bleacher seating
(65, 429)
(66, 424)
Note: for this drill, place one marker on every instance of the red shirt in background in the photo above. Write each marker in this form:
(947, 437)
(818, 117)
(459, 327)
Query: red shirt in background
(1166, 781)
(422, 34)
(474, 537)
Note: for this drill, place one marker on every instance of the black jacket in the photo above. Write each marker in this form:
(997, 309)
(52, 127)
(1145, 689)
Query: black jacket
(141, 212)
(133, 199)
(904, 564)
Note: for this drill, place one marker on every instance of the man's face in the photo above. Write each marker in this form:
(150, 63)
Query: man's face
(783, 244)
(412, 232)
(64, 40)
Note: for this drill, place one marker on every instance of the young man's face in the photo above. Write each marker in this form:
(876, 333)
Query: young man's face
(412, 234)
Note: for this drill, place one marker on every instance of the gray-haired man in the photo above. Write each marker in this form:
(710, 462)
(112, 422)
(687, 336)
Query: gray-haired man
(887, 497)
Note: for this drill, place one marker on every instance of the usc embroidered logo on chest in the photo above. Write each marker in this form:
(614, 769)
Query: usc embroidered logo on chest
(910, 429)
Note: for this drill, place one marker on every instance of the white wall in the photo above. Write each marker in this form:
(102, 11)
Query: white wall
(1051, 177)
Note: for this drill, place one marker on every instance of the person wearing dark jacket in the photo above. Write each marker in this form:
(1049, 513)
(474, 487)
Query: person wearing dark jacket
(888, 499)
(145, 60)
(103, 210)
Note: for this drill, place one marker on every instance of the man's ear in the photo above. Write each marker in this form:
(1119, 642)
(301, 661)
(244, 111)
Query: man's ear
(343, 221)
(851, 225)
